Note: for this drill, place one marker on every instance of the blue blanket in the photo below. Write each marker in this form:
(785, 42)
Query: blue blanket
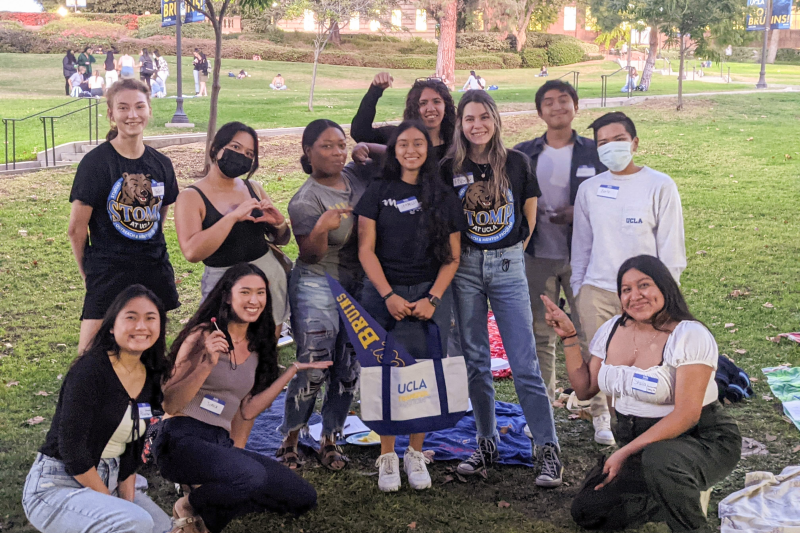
(456, 443)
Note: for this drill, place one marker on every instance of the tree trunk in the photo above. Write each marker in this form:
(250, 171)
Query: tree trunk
(336, 38)
(446, 52)
(215, 85)
(680, 72)
(650, 64)
(317, 52)
(772, 52)
(521, 33)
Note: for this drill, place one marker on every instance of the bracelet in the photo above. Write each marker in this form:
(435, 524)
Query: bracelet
(571, 345)
(570, 337)
(391, 293)
(296, 366)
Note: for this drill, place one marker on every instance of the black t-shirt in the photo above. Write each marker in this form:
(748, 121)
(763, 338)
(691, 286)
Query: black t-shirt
(494, 223)
(402, 245)
(126, 196)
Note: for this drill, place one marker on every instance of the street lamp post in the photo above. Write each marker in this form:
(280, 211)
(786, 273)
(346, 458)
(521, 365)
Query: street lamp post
(762, 78)
(179, 119)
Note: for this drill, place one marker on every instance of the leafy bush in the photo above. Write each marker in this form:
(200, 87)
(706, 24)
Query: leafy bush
(594, 57)
(564, 53)
(15, 40)
(419, 46)
(545, 40)
(742, 54)
(788, 55)
(473, 61)
(151, 25)
(511, 60)
(533, 57)
(480, 42)
(138, 7)
(589, 48)
(83, 27)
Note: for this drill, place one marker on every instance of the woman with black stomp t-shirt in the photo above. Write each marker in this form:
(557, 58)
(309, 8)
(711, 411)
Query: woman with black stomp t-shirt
(498, 191)
(120, 197)
(409, 240)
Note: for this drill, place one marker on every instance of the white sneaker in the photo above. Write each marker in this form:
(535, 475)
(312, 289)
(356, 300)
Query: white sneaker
(527, 431)
(602, 430)
(388, 472)
(414, 465)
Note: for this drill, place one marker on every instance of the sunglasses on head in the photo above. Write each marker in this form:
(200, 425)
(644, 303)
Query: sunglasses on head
(429, 78)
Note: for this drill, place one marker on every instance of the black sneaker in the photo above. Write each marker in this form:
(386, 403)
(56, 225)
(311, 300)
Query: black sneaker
(551, 467)
(485, 456)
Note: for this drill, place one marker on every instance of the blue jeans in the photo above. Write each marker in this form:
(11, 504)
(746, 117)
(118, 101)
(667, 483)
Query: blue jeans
(409, 332)
(55, 502)
(196, 81)
(319, 337)
(499, 276)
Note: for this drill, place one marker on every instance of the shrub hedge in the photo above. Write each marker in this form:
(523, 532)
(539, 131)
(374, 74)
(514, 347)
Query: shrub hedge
(151, 25)
(788, 55)
(564, 53)
(481, 42)
(534, 57)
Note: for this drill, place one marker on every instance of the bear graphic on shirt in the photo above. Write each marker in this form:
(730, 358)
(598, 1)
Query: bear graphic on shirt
(490, 219)
(133, 206)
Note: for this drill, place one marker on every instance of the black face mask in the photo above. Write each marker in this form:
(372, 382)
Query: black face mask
(232, 164)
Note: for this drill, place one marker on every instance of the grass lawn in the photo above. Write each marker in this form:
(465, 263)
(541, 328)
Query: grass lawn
(337, 95)
(738, 179)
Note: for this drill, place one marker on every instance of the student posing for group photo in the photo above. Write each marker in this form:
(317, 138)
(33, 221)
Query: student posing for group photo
(409, 239)
(120, 198)
(499, 192)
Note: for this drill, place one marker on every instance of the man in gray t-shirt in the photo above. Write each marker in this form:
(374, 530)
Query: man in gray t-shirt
(309, 204)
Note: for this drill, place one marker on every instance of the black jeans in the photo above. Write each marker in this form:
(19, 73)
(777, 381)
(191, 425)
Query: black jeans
(67, 86)
(233, 482)
(663, 482)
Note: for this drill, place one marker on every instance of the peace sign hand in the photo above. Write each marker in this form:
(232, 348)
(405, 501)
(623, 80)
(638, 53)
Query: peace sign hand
(557, 318)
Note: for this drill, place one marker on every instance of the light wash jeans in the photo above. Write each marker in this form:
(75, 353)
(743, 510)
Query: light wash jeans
(319, 337)
(196, 81)
(499, 276)
(55, 502)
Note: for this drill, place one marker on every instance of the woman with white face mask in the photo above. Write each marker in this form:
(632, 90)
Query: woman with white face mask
(626, 211)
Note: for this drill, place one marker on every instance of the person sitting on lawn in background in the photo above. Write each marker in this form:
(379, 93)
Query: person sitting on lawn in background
(75, 82)
(242, 74)
(96, 84)
(84, 476)
(543, 72)
(156, 89)
(278, 84)
(657, 362)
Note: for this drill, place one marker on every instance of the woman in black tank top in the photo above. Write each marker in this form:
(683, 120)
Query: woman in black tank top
(223, 220)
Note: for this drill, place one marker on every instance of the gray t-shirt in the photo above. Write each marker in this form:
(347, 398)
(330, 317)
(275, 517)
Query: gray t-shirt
(311, 201)
(552, 170)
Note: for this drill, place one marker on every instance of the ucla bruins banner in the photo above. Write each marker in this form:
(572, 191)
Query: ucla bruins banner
(365, 334)
(780, 19)
(190, 9)
(399, 395)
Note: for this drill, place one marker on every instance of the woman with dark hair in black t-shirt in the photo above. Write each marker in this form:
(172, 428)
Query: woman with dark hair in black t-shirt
(84, 476)
(498, 191)
(409, 233)
(120, 197)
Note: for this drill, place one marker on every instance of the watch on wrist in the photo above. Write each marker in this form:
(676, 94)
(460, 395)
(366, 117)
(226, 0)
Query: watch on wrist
(434, 300)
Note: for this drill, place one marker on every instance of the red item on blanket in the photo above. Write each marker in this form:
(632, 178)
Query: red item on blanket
(497, 350)
(791, 336)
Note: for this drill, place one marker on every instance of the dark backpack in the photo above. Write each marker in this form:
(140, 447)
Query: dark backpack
(732, 381)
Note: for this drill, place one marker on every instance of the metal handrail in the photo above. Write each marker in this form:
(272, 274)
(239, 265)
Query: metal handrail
(575, 78)
(14, 121)
(94, 103)
(604, 81)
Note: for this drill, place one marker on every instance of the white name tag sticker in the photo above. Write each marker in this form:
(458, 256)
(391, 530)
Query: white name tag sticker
(608, 191)
(646, 384)
(585, 171)
(460, 180)
(145, 411)
(158, 189)
(409, 204)
(212, 404)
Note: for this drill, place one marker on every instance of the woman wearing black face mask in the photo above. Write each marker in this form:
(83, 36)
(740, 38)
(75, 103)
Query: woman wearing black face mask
(223, 220)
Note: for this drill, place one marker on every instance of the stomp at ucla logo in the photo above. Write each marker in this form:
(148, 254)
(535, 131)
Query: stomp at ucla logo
(490, 219)
(134, 205)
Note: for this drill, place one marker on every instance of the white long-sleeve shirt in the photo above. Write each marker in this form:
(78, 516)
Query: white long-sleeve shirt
(472, 84)
(619, 217)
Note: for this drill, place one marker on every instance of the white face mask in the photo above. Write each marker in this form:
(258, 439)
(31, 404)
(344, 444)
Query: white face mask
(616, 155)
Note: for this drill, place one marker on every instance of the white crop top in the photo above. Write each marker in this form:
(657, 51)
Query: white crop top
(122, 436)
(650, 393)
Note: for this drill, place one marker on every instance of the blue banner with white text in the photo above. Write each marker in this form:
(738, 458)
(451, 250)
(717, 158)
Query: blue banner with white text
(190, 10)
(781, 18)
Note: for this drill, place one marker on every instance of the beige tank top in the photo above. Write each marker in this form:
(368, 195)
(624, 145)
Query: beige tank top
(219, 398)
(122, 436)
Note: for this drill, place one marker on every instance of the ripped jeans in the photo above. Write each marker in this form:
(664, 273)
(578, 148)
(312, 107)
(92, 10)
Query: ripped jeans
(319, 337)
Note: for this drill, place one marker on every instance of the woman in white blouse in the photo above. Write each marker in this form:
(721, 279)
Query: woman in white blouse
(656, 363)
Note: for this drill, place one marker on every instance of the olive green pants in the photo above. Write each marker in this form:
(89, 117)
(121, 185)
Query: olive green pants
(663, 482)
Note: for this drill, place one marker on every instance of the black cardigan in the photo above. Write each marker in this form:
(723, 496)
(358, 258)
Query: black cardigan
(90, 407)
